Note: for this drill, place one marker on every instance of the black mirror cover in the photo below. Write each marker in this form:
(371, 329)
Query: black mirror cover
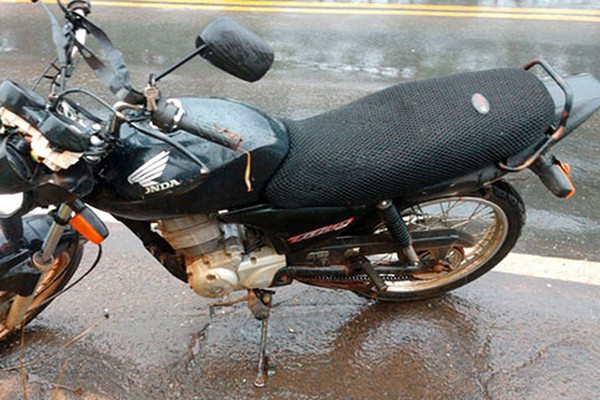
(235, 49)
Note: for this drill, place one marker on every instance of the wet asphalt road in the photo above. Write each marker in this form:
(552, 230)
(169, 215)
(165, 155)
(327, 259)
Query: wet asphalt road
(506, 336)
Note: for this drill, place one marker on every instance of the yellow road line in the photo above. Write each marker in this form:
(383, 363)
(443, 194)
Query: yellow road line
(380, 6)
(359, 9)
(543, 17)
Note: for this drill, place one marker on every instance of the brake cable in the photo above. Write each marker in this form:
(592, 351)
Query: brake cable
(87, 93)
(162, 137)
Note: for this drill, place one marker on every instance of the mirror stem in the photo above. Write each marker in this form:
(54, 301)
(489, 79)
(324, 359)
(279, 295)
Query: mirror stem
(180, 63)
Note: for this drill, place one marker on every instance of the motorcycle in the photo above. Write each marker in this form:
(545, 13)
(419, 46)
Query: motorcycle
(397, 196)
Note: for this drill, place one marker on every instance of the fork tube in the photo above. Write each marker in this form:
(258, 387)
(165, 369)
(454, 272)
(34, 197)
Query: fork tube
(46, 255)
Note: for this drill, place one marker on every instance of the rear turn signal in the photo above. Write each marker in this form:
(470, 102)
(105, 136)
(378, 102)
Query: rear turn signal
(554, 174)
(566, 169)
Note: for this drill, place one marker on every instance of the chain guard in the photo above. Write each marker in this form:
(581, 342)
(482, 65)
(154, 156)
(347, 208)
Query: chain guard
(436, 262)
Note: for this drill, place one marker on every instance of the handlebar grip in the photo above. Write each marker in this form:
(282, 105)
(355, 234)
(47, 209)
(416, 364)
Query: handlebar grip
(84, 5)
(220, 137)
(169, 117)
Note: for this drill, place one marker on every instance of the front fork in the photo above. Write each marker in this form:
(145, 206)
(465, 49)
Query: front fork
(85, 222)
(42, 260)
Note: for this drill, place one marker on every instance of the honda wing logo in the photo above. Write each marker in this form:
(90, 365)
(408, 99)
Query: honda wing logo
(153, 169)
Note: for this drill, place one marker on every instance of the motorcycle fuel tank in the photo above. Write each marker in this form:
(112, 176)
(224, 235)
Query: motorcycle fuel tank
(145, 178)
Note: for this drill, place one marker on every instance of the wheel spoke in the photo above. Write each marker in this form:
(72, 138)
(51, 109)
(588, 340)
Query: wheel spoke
(478, 217)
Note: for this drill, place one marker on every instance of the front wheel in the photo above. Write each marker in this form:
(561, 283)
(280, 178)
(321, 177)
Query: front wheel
(66, 260)
(494, 217)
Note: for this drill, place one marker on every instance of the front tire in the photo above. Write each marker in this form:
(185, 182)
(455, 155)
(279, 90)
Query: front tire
(495, 215)
(66, 260)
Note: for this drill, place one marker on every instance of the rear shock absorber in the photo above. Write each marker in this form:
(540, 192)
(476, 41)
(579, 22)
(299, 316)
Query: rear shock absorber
(398, 230)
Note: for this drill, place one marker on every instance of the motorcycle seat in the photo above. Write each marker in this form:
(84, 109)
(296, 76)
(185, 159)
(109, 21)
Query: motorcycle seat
(405, 138)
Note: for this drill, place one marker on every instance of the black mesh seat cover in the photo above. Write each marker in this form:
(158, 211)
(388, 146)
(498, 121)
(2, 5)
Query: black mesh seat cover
(410, 136)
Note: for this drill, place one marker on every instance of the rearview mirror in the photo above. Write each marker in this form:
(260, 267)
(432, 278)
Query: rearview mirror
(235, 49)
(10, 204)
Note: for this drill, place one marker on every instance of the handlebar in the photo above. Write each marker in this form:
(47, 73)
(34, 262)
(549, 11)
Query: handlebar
(170, 116)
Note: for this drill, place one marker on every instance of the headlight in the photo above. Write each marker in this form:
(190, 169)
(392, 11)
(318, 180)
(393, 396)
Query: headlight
(10, 204)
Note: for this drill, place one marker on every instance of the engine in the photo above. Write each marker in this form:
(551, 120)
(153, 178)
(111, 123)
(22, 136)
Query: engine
(216, 261)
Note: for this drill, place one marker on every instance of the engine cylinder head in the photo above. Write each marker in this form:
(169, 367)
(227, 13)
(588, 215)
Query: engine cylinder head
(193, 234)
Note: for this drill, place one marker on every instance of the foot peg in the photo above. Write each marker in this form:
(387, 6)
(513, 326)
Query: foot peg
(375, 278)
(259, 303)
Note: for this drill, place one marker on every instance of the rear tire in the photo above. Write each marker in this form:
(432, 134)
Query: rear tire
(507, 211)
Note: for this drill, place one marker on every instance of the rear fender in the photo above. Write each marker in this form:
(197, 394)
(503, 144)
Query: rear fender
(586, 99)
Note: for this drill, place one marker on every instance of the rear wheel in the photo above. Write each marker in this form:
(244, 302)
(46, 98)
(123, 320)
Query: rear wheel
(67, 258)
(493, 217)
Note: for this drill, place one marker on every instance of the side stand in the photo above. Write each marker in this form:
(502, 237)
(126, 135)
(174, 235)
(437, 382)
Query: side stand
(259, 303)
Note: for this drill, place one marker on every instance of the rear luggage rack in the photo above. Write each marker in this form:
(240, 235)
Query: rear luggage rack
(562, 125)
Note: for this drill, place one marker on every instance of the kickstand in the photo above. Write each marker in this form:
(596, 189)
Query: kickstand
(259, 303)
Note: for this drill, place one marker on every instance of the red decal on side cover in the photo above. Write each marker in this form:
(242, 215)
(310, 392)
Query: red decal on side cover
(321, 231)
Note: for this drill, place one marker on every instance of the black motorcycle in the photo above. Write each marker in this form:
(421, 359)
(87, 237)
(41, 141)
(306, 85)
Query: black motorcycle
(397, 196)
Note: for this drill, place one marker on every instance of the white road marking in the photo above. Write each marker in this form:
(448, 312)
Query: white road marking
(563, 269)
